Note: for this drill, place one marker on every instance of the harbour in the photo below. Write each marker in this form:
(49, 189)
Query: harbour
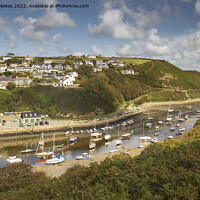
(13, 145)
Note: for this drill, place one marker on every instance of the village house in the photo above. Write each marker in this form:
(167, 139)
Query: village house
(37, 75)
(59, 61)
(97, 69)
(111, 60)
(26, 63)
(7, 57)
(14, 65)
(66, 81)
(68, 67)
(89, 62)
(29, 58)
(48, 61)
(11, 69)
(127, 71)
(59, 67)
(92, 56)
(78, 63)
(3, 68)
(73, 74)
(30, 117)
(22, 81)
(119, 63)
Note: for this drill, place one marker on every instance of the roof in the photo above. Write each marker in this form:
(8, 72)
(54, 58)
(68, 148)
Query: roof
(30, 114)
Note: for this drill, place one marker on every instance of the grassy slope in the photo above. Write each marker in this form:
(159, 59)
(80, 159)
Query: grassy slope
(163, 73)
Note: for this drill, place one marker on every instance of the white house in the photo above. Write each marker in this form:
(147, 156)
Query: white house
(29, 58)
(92, 56)
(127, 71)
(89, 62)
(78, 63)
(48, 61)
(96, 69)
(3, 68)
(66, 81)
(120, 64)
(73, 74)
(7, 57)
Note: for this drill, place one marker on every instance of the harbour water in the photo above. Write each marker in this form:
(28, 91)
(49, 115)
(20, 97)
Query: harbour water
(13, 147)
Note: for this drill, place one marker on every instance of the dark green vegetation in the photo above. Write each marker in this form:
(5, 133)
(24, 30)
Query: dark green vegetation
(163, 171)
(104, 92)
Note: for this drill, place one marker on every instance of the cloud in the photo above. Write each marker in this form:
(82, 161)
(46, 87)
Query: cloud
(10, 39)
(57, 38)
(190, 42)
(127, 50)
(41, 50)
(154, 38)
(197, 7)
(96, 50)
(53, 19)
(34, 29)
(155, 50)
(64, 50)
(113, 24)
(78, 53)
(143, 18)
(28, 29)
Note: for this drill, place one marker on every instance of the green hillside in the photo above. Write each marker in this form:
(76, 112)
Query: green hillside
(104, 92)
(164, 74)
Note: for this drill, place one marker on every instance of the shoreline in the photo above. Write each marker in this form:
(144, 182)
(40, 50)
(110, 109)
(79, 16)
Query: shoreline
(69, 124)
(59, 169)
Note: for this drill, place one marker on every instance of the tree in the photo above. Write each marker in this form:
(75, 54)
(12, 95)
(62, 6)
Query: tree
(11, 86)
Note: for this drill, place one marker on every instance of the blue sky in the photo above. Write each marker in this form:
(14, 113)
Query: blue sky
(160, 29)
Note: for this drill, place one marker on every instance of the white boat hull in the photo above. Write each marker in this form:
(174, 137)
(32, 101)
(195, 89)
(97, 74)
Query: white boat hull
(55, 160)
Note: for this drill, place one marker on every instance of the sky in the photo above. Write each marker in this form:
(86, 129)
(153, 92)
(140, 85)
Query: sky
(157, 29)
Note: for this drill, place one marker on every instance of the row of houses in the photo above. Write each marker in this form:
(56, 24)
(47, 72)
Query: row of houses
(18, 81)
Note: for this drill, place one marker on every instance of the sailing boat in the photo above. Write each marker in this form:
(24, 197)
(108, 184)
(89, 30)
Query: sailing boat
(180, 118)
(149, 123)
(170, 110)
(144, 138)
(118, 141)
(107, 136)
(56, 158)
(43, 153)
(92, 144)
(168, 118)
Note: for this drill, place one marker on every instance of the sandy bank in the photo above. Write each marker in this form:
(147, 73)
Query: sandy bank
(58, 170)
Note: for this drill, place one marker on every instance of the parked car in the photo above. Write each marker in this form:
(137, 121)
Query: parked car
(21, 125)
(15, 120)
(4, 121)
(46, 122)
(36, 124)
(29, 124)
(41, 123)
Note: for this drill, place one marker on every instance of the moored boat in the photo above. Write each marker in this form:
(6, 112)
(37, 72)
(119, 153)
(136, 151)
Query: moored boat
(73, 139)
(84, 156)
(13, 159)
(28, 151)
(42, 153)
(126, 136)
